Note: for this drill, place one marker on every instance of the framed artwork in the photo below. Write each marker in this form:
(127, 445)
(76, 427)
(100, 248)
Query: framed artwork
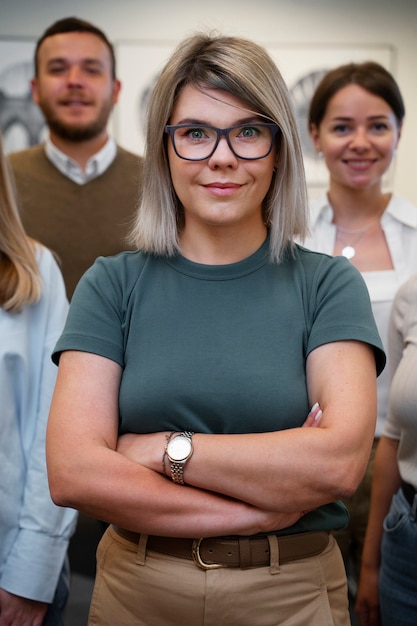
(21, 121)
(138, 67)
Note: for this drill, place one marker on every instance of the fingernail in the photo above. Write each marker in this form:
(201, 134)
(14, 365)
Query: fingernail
(318, 415)
(314, 407)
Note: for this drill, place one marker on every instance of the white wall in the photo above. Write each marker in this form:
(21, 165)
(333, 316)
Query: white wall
(279, 22)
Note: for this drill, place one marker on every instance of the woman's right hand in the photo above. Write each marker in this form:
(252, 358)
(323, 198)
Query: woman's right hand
(313, 418)
(367, 600)
(284, 520)
(141, 449)
(16, 611)
(279, 521)
(138, 447)
(267, 522)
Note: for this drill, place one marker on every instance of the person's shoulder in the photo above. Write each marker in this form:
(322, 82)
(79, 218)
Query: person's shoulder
(26, 156)
(125, 266)
(319, 202)
(404, 307)
(53, 287)
(47, 262)
(127, 155)
(317, 207)
(320, 265)
(400, 201)
(126, 258)
(114, 277)
(407, 293)
(313, 258)
(402, 210)
(44, 256)
(26, 164)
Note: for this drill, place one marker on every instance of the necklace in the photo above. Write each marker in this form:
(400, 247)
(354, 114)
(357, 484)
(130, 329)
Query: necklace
(349, 249)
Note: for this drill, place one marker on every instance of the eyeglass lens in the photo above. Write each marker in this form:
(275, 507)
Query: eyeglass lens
(199, 142)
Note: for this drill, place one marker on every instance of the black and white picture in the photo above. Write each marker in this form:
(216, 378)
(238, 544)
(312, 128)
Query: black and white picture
(21, 121)
(138, 67)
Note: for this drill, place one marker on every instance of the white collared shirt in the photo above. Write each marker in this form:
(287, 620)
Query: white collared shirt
(96, 165)
(399, 223)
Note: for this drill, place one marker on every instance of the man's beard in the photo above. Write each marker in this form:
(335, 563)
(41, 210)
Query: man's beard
(74, 133)
(71, 133)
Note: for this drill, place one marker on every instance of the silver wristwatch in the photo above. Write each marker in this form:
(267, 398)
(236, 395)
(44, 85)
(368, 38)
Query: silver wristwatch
(179, 451)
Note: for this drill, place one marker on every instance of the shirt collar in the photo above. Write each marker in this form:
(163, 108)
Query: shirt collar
(96, 165)
(398, 209)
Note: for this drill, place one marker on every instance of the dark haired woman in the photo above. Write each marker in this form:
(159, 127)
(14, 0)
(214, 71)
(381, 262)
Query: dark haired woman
(356, 117)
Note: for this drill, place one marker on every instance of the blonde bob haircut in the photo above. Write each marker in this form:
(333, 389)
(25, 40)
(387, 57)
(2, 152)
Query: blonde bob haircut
(20, 281)
(245, 70)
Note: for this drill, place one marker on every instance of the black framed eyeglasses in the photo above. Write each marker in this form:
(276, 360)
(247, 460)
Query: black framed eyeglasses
(195, 142)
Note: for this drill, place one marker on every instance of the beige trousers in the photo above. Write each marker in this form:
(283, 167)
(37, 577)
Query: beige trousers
(132, 589)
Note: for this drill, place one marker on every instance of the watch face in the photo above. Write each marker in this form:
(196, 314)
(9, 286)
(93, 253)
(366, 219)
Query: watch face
(179, 448)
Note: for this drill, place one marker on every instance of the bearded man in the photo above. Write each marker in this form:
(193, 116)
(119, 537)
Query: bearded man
(79, 190)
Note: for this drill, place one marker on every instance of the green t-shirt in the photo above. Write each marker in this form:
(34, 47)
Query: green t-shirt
(219, 349)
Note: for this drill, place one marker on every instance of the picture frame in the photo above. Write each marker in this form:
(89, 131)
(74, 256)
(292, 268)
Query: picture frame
(21, 121)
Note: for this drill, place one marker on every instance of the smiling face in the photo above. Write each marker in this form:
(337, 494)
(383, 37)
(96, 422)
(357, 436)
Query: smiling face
(74, 86)
(222, 190)
(357, 136)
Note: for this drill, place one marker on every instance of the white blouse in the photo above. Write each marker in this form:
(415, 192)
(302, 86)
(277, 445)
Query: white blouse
(399, 223)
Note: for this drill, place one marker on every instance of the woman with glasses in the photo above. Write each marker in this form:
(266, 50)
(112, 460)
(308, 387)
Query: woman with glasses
(187, 370)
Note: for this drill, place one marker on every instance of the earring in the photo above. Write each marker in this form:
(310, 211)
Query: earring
(320, 154)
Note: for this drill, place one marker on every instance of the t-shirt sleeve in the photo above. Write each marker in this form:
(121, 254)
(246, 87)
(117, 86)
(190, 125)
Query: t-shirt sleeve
(95, 320)
(340, 308)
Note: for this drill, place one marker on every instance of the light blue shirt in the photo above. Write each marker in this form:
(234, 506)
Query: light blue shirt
(95, 167)
(34, 533)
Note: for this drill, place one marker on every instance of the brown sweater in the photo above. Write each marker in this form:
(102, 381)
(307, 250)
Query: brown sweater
(77, 222)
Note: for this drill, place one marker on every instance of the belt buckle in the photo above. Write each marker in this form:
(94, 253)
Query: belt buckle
(198, 559)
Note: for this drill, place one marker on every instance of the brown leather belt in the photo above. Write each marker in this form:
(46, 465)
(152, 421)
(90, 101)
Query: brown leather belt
(243, 552)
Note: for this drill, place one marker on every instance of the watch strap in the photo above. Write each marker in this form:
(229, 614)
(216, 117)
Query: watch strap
(177, 472)
(177, 467)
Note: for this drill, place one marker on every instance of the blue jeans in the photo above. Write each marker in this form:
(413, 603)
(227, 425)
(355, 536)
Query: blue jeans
(54, 614)
(398, 573)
